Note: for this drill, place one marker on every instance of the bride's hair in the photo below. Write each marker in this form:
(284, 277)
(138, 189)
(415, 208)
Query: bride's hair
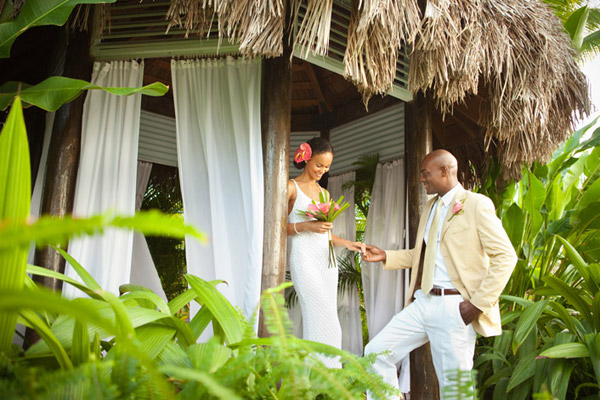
(318, 145)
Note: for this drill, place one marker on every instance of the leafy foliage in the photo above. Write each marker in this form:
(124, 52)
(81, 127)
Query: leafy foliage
(134, 345)
(581, 21)
(550, 307)
(37, 13)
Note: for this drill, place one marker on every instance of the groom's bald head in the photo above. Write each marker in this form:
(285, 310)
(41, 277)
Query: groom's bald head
(439, 172)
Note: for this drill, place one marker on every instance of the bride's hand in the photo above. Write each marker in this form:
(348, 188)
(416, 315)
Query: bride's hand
(355, 246)
(319, 226)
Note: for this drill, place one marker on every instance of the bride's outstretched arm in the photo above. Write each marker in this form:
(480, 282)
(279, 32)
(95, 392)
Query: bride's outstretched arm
(352, 246)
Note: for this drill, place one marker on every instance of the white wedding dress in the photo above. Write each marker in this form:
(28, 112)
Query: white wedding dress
(315, 283)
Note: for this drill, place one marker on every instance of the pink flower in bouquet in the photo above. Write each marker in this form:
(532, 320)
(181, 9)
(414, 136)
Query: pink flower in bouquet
(322, 211)
(303, 153)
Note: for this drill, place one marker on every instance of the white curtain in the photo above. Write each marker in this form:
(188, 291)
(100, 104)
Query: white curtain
(106, 180)
(143, 270)
(348, 304)
(384, 291)
(217, 108)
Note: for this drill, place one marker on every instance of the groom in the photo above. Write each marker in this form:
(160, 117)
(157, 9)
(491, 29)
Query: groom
(460, 265)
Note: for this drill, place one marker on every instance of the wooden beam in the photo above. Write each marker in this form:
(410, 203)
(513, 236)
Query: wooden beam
(419, 142)
(275, 121)
(63, 154)
(298, 103)
(316, 87)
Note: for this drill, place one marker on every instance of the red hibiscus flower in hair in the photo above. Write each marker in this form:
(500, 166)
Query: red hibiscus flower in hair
(303, 153)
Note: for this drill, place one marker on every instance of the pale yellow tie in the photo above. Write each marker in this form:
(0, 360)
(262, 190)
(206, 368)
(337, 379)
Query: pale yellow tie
(431, 249)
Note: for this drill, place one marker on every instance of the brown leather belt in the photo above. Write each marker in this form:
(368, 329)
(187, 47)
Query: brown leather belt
(442, 292)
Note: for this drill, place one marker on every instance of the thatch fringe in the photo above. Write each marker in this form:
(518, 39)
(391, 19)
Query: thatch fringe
(257, 25)
(313, 32)
(517, 57)
(377, 30)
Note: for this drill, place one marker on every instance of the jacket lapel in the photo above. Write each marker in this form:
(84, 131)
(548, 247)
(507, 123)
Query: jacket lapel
(459, 196)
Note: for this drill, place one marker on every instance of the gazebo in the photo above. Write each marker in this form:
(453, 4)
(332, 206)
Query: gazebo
(482, 79)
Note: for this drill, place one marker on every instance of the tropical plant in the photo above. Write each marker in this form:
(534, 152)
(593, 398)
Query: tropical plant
(550, 308)
(581, 21)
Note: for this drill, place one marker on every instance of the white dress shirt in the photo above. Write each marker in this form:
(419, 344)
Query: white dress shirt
(440, 274)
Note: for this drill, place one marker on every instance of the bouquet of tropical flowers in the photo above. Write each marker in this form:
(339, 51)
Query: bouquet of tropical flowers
(326, 210)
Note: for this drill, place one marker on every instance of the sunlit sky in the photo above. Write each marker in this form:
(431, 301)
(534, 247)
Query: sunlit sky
(592, 70)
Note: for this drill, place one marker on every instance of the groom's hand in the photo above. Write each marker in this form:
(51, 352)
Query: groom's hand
(373, 254)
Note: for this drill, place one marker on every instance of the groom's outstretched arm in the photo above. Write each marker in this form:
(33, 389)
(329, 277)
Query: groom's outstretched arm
(392, 259)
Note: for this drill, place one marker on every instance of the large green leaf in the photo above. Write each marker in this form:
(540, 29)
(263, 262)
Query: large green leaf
(36, 13)
(41, 300)
(55, 91)
(49, 230)
(513, 222)
(527, 322)
(153, 338)
(85, 276)
(80, 347)
(209, 356)
(15, 198)
(571, 295)
(593, 345)
(566, 350)
(39, 271)
(532, 203)
(524, 369)
(221, 309)
(580, 264)
(212, 385)
(42, 329)
(576, 26)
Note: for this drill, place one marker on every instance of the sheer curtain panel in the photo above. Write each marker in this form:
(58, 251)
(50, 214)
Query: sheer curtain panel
(143, 270)
(106, 180)
(345, 227)
(217, 108)
(384, 291)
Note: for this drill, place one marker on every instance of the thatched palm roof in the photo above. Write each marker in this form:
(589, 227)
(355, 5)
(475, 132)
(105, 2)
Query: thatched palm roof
(512, 55)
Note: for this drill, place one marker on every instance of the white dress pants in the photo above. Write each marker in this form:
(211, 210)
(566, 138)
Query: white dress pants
(430, 318)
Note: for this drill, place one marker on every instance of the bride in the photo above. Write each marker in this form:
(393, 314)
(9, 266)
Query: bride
(308, 249)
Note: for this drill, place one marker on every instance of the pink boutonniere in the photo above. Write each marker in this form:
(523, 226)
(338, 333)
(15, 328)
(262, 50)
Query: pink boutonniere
(458, 209)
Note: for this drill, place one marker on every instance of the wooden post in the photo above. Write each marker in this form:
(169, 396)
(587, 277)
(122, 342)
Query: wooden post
(419, 142)
(276, 121)
(63, 154)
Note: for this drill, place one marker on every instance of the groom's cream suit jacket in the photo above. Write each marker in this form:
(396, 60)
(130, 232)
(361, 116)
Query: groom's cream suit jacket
(478, 254)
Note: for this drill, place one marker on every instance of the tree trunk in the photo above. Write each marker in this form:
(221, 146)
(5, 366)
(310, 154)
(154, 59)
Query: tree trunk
(275, 120)
(419, 142)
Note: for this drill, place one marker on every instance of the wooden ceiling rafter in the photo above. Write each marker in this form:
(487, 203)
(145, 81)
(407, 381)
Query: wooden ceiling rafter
(316, 87)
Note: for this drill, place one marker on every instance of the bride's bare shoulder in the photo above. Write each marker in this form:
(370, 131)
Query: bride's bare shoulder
(291, 189)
